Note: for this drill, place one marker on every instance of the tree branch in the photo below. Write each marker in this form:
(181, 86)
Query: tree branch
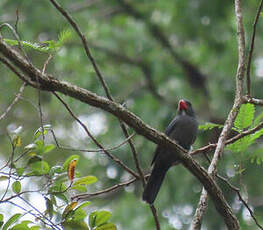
(49, 83)
(254, 101)
(202, 205)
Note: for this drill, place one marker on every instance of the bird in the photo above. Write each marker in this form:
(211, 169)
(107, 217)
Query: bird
(182, 129)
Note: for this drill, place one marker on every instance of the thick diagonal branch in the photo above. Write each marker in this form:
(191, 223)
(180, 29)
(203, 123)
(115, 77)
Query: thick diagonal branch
(48, 83)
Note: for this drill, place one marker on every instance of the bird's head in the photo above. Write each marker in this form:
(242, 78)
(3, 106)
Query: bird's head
(185, 107)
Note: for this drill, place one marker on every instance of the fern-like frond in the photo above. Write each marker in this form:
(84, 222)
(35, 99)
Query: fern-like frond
(258, 119)
(209, 126)
(242, 144)
(36, 46)
(256, 156)
(64, 36)
(245, 116)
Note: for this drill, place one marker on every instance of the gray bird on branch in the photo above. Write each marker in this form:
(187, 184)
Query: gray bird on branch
(182, 129)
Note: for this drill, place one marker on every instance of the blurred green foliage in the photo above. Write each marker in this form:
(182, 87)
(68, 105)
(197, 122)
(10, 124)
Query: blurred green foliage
(144, 75)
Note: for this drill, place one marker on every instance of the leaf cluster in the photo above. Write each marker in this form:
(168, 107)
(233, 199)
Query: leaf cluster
(58, 182)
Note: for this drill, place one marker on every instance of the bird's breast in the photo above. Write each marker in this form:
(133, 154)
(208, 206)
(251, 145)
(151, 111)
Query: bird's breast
(184, 133)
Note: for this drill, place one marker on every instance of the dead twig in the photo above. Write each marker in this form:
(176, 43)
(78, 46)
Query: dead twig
(16, 99)
(251, 49)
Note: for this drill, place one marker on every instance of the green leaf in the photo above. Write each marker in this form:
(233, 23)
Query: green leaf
(20, 171)
(245, 116)
(17, 142)
(68, 160)
(1, 220)
(40, 168)
(56, 169)
(58, 187)
(79, 215)
(86, 203)
(69, 209)
(86, 180)
(209, 126)
(103, 217)
(22, 225)
(62, 197)
(80, 188)
(35, 228)
(34, 159)
(39, 143)
(40, 132)
(92, 219)
(49, 206)
(11, 221)
(99, 218)
(108, 226)
(16, 187)
(48, 148)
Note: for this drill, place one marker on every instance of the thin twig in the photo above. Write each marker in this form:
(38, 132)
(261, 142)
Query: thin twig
(91, 150)
(237, 190)
(14, 32)
(135, 157)
(40, 213)
(18, 96)
(110, 189)
(255, 101)
(85, 45)
(46, 63)
(37, 216)
(250, 54)
(115, 159)
(16, 195)
(17, 20)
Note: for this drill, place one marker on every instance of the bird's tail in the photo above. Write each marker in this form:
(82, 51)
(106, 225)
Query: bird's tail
(154, 183)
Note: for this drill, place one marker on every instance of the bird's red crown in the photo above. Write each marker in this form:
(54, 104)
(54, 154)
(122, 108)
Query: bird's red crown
(182, 105)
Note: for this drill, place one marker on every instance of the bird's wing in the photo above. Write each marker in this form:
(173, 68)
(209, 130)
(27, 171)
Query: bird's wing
(171, 128)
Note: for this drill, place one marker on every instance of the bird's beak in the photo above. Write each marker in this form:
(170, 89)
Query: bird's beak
(182, 105)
